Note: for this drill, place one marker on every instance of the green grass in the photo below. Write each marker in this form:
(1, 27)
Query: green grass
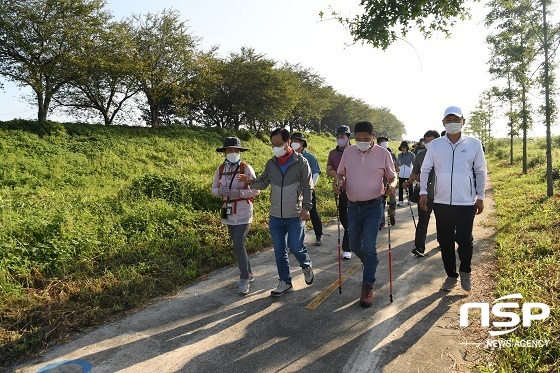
(96, 222)
(528, 250)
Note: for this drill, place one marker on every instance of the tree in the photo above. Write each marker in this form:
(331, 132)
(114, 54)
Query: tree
(383, 22)
(164, 56)
(244, 90)
(480, 122)
(548, 87)
(387, 123)
(348, 111)
(514, 47)
(312, 98)
(105, 80)
(39, 40)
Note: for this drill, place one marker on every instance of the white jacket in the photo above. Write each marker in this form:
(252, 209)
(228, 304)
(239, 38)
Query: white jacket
(460, 171)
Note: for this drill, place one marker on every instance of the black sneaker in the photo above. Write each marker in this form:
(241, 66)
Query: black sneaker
(419, 252)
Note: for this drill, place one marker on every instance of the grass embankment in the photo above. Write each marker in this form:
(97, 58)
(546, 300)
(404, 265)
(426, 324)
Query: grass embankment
(528, 250)
(98, 221)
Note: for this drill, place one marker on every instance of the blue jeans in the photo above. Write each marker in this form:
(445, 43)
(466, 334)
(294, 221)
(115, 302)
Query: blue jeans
(288, 234)
(363, 225)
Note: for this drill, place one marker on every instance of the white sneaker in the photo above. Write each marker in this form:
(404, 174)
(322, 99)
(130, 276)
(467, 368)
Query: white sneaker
(309, 276)
(283, 287)
(346, 255)
(244, 286)
(400, 204)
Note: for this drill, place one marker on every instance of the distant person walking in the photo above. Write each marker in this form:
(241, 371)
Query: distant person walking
(391, 200)
(343, 141)
(460, 178)
(423, 215)
(361, 172)
(289, 176)
(299, 144)
(405, 160)
(237, 204)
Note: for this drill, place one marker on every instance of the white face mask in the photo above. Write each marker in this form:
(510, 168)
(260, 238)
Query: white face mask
(427, 145)
(384, 144)
(342, 142)
(233, 157)
(453, 128)
(279, 151)
(295, 145)
(363, 145)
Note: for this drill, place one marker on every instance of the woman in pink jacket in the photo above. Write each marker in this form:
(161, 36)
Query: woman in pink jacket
(237, 204)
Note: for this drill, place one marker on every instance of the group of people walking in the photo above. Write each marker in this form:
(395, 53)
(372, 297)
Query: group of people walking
(451, 171)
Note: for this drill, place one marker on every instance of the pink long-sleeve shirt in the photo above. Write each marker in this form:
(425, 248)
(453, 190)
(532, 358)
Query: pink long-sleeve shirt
(243, 212)
(364, 172)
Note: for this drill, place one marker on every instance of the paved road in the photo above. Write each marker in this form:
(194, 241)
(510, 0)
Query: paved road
(208, 327)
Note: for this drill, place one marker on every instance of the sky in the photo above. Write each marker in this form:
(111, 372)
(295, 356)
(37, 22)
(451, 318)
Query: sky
(416, 80)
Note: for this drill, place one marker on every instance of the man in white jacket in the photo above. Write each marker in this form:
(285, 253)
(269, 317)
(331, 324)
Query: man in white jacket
(460, 178)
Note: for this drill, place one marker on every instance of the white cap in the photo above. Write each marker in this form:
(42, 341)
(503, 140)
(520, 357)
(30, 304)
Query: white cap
(453, 110)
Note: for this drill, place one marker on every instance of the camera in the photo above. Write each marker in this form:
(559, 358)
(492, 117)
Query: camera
(226, 211)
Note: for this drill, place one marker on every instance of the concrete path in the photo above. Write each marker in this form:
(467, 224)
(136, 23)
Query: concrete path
(208, 327)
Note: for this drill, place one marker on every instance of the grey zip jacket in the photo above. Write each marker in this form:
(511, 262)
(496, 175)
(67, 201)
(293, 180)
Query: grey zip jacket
(291, 191)
(460, 171)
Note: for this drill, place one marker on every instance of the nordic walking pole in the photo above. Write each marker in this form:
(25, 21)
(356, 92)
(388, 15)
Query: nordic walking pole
(410, 205)
(390, 258)
(338, 248)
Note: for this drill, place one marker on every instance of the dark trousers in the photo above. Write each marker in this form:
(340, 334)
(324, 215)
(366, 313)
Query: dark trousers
(422, 226)
(315, 218)
(455, 224)
(343, 216)
(401, 182)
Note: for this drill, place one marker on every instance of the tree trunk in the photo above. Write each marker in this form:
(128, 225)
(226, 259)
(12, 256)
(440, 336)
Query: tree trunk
(549, 181)
(154, 111)
(525, 124)
(43, 108)
(511, 130)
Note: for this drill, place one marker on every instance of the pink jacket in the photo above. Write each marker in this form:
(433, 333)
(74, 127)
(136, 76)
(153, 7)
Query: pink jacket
(243, 207)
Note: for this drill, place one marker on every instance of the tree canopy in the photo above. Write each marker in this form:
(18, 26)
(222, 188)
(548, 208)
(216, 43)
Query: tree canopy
(73, 53)
(40, 40)
(383, 22)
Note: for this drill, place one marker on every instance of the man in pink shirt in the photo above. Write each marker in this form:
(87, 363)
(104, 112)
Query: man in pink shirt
(360, 173)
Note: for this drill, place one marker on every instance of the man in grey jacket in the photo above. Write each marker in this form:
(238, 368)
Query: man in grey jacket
(289, 176)
(460, 178)
(423, 215)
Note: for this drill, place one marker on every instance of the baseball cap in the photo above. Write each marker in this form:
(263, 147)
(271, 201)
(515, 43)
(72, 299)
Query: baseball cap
(453, 110)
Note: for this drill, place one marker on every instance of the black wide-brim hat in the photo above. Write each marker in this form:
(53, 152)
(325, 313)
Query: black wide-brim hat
(231, 143)
(299, 136)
